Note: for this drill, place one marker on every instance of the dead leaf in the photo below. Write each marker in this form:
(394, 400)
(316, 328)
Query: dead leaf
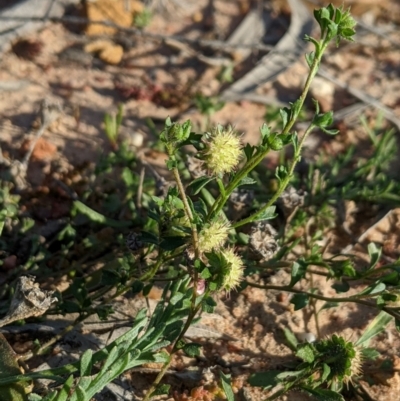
(28, 300)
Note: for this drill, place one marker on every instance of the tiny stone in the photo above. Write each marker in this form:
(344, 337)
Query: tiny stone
(306, 337)
(137, 139)
(10, 262)
(281, 297)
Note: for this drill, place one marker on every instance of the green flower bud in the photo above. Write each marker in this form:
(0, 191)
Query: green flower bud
(174, 132)
(276, 143)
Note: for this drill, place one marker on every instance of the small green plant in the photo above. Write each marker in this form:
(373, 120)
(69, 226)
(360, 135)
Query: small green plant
(193, 240)
(142, 19)
(112, 122)
(8, 204)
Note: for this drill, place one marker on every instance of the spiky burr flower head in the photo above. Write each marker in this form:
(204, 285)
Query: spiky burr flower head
(213, 235)
(345, 359)
(223, 150)
(233, 274)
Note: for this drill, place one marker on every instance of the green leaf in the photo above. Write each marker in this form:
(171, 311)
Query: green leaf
(136, 287)
(205, 274)
(281, 173)
(200, 206)
(111, 358)
(296, 108)
(243, 239)
(171, 164)
(173, 330)
(347, 33)
(265, 131)
(326, 372)
(81, 394)
(370, 353)
(85, 363)
(64, 393)
(291, 339)
(313, 41)
(226, 385)
(338, 15)
(266, 380)
(110, 276)
(162, 357)
(323, 395)
(282, 376)
(172, 243)
(162, 389)
(192, 349)
(249, 151)
(310, 57)
(208, 305)
(299, 301)
(377, 287)
(97, 217)
(199, 183)
(176, 298)
(306, 352)
(297, 273)
(36, 397)
(267, 214)
(375, 327)
(285, 113)
(128, 177)
(148, 238)
(332, 29)
(146, 290)
(247, 181)
(330, 131)
(176, 202)
(323, 120)
(374, 254)
(397, 324)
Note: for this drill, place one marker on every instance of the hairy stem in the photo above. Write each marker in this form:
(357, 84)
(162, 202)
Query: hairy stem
(188, 211)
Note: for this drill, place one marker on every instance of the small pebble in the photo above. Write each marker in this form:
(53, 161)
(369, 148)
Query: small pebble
(137, 139)
(309, 337)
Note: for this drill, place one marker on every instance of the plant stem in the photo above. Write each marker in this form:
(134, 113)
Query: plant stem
(358, 300)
